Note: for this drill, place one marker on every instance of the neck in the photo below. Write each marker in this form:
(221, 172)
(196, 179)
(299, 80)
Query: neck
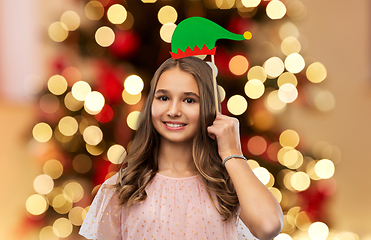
(175, 159)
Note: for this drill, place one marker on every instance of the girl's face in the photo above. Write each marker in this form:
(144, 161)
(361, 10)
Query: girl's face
(176, 106)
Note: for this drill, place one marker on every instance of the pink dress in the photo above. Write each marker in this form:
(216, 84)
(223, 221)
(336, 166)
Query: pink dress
(176, 208)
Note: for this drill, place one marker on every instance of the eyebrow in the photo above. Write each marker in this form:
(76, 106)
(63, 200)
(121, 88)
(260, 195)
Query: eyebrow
(163, 91)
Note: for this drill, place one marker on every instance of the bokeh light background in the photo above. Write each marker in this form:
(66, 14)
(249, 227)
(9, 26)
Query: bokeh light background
(336, 35)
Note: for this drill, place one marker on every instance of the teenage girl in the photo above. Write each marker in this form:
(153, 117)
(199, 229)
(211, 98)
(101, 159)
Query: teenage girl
(184, 176)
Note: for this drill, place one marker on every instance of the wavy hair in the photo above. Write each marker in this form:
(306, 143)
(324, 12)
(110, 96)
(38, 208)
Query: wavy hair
(141, 164)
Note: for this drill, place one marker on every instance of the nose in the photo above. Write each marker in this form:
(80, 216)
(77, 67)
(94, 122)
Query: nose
(174, 109)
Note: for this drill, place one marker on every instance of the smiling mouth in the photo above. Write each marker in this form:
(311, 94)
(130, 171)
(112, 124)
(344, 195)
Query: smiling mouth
(174, 125)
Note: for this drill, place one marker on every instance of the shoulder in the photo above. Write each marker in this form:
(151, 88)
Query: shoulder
(111, 180)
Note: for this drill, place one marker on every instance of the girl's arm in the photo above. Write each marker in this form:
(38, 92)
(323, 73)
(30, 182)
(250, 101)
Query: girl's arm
(260, 211)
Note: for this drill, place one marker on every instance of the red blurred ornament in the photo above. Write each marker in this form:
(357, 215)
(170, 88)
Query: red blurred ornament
(101, 169)
(110, 82)
(105, 115)
(222, 61)
(313, 202)
(239, 25)
(126, 44)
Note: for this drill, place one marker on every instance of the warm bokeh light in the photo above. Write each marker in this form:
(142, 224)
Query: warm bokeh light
(74, 190)
(148, 1)
(68, 126)
(293, 159)
(167, 14)
(53, 168)
(283, 236)
(257, 145)
(94, 102)
(310, 169)
(316, 72)
(131, 99)
(116, 154)
(47, 233)
(71, 19)
(222, 93)
(93, 135)
(294, 63)
(287, 77)
(281, 153)
(128, 23)
(302, 221)
(276, 9)
(72, 103)
(254, 89)
(166, 32)
(62, 227)
(82, 163)
(36, 204)
(117, 14)
(257, 72)
(325, 168)
(272, 151)
(274, 103)
(262, 174)
(132, 120)
(253, 164)
(57, 84)
(287, 93)
(331, 152)
(296, 10)
(300, 181)
(324, 101)
(238, 65)
(58, 31)
(276, 193)
(80, 90)
(274, 67)
(42, 132)
(250, 3)
(263, 120)
(49, 103)
(43, 184)
(105, 36)
(133, 84)
(271, 181)
(289, 138)
(288, 29)
(76, 216)
(318, 231)
(94, 10)
(62, 203)
(347, 236)
(290, 45)
(237, 105)
(71, 74)
(225, 4)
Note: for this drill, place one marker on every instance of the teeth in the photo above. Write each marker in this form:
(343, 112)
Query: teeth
(174, 125)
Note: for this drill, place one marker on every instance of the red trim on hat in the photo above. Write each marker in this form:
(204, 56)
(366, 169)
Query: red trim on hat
(196, 51)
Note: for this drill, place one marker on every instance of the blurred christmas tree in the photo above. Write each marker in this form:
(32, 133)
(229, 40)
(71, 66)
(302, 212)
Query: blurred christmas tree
(104, 55)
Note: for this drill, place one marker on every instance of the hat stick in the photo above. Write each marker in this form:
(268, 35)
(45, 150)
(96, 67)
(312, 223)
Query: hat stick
(215, 85)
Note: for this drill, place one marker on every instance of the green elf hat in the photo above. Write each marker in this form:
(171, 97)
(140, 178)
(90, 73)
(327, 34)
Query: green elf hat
(197, 36)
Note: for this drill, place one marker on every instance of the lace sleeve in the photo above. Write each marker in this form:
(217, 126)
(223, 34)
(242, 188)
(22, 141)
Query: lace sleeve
(104, 218)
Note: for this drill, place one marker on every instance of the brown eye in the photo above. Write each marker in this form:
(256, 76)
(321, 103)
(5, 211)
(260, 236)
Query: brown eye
(163, 98)
(189, 100)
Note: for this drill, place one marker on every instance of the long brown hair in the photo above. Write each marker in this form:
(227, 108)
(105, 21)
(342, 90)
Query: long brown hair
(141, 164)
